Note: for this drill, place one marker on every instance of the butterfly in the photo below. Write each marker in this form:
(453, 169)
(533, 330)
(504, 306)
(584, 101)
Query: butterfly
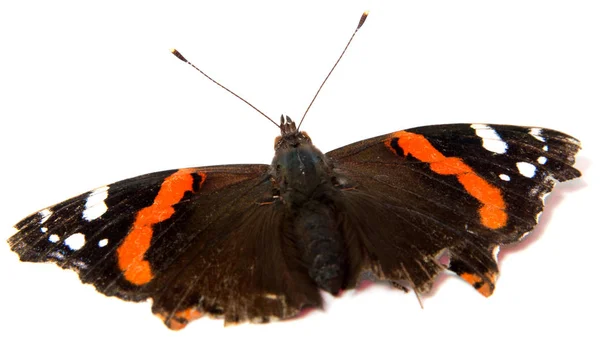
(260, 242)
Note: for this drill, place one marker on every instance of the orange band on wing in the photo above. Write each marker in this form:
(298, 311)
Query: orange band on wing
(492, 211)
(131, 252)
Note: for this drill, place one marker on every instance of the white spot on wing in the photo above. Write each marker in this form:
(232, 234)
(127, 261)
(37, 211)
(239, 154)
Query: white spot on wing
(59, 256)
(54, 238)
(45, 214)
(75, 241)
(491, 140)
(495, 252)
(537, 133)
(534, 191)
(545, 148)
(44, 229)
(504, 177)
(524, 235)
(94, 205)
(102, 242)
(526, 169)
(542, 160)
(80, 264)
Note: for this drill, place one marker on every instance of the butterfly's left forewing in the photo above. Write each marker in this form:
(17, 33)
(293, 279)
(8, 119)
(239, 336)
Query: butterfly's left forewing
(84, 233)
(461, 190)
(196, 241)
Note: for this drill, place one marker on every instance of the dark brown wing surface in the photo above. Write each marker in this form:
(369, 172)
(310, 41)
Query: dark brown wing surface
(196, 241)
(461, 190)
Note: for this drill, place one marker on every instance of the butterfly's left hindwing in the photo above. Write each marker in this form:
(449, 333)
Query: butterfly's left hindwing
(196, 241)
(461, 190)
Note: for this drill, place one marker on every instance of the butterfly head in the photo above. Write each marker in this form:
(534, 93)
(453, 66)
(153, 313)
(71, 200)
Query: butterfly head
(298, 168)
(290, 136)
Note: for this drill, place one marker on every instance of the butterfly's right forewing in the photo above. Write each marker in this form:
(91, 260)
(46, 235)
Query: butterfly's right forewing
(462, 190)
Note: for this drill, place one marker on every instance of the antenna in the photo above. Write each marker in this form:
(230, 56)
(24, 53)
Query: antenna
(179, 56)
(360, 24)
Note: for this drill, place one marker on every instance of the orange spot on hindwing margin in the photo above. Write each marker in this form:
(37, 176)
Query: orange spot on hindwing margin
(180, 319)
(484, 287)
(130, 254)
(492, 211)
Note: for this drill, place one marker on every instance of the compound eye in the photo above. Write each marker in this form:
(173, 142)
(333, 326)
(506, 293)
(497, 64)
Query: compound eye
(306, 135)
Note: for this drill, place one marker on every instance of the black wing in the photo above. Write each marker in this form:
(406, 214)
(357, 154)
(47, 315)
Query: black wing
(200, 240)
(460, 190)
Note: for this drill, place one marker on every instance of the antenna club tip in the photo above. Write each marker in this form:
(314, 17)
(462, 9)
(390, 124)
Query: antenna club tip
(362, 19)
(178, 55)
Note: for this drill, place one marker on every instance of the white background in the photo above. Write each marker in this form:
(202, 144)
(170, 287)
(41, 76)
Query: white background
(90, 94)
